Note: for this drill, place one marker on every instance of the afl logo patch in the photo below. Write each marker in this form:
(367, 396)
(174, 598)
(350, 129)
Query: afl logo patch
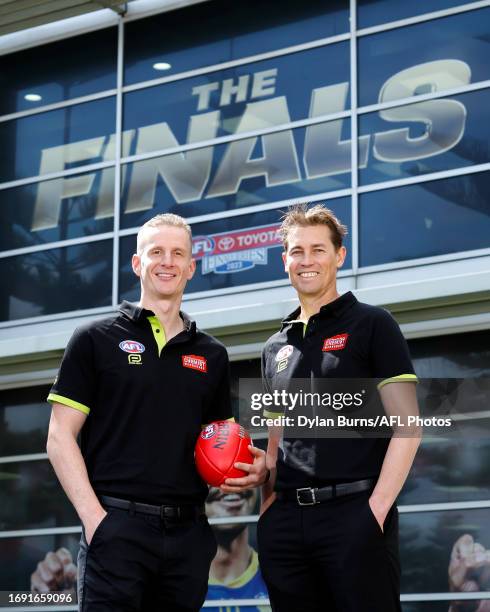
(209, 431)
(335, 343)
(284, 353)
(131, 346)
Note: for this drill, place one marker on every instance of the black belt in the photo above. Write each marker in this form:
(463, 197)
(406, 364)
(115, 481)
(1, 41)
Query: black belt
(309, 496)
(178, 513)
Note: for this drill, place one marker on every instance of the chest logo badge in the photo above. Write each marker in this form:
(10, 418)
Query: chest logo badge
(335, 343)
(284, 353)
(195, 362)
(131, 346)
(282, 357)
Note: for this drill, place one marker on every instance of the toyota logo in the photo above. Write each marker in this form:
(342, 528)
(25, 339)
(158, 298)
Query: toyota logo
(226, 243)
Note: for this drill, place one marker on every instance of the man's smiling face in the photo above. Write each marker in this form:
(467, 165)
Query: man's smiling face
(164, 261)
(311, 260)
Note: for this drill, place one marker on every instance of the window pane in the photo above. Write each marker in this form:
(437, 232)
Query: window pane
(448, 471)
(453, 356)
(285, 165)
(433, 218)
(58, 280)
(427, 540)
(33, 498)
(431, 56)
(220, 31)
(374, 12)
(57, 140)
(240, 99)
(231, 252)
(70, 207)
(24, 419)
(19, 558)
(434, 606)
(425, 137)
(39, 71)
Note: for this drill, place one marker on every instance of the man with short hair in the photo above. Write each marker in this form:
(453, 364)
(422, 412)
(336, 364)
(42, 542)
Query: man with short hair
(328, 535)
(139, 385)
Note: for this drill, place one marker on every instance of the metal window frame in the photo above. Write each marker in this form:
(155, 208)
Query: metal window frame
(353, 113)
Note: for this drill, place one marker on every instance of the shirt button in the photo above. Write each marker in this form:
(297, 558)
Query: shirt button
(157, 331)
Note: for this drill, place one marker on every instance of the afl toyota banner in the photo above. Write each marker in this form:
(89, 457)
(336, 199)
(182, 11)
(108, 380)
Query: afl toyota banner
(237, 251)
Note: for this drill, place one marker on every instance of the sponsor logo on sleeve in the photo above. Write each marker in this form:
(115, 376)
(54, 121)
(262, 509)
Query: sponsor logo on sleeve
(335, 343)
(195, 362)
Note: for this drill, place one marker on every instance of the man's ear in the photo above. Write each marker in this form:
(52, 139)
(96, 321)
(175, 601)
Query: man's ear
(136, 264)
(192, 269)
(284, 260)
(340, 256)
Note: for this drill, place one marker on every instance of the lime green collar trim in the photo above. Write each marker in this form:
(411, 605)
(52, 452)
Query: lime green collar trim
(247, 575)
(158, 333)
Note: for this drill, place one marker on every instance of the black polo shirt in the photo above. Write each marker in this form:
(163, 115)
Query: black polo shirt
(346, 339)
(146, 400)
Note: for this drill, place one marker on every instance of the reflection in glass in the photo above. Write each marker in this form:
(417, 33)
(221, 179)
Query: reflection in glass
(39, 71)
(241, 99)
(433, 218)
(58, 280)
(436, 606)
(426, 137)
(285, 165)
(24, 418)
(448, 471)
(453, 356)
(430, 539)
(431, 56)
(374, 12)
(19, 558)
(32, 497)
(69, 207)
(58, 140)
(215, 32)
(230, 252)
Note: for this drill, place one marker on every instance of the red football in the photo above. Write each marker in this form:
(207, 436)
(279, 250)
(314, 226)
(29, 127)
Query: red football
(219, 446)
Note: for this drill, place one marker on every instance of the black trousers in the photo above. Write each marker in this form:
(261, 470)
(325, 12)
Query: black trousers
(331, 557)
(137, 563)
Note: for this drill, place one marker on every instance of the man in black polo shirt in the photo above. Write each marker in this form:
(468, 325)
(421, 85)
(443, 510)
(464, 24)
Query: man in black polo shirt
(328, 534)
(139, 385)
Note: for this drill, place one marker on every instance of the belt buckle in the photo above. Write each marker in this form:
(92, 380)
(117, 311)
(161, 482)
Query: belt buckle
(167, 513)
(302, 503)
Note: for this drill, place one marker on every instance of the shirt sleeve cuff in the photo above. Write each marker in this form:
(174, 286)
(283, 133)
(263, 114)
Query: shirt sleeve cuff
(272, 415)
(399, 378)
(66, 401)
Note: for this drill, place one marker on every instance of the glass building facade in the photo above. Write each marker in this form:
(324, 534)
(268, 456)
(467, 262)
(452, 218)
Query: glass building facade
(225, 113)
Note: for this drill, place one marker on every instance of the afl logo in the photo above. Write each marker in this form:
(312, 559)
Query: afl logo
(226, 243)
(131, 346)
(284, 353)
(208, 432)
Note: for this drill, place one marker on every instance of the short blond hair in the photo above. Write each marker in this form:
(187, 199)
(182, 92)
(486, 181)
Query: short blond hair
(304, 215)
(164, 219)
